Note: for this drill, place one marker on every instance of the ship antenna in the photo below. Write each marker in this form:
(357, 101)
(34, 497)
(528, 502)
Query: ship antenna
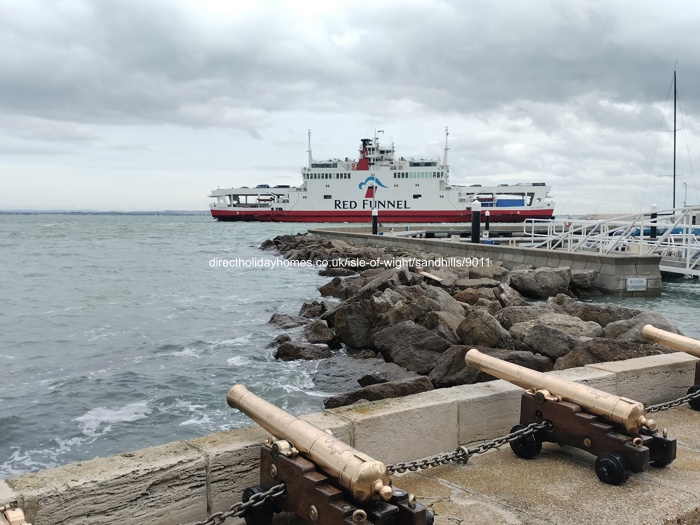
(309, 150)
(444, 160)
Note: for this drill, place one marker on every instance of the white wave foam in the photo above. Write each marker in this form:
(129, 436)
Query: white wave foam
(97, 421)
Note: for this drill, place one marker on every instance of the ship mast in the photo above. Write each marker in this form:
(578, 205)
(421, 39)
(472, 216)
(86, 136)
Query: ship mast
(444, 160)
(309, 150)
(674, 137)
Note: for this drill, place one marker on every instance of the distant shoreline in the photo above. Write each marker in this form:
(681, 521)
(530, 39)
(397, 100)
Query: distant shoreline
(96, 212)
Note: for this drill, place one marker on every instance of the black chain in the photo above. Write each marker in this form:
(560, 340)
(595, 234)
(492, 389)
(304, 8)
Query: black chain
(463, 453)
(673, 404)
(237, 510)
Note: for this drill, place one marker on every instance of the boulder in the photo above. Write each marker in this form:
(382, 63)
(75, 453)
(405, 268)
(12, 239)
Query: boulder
(353, 323)
(336, 272)
(541, 282)
(445, 325)
(483, 282)
(342, 373)
(480, 328)
(549, 341)
(472, 295)
(282, 338)
(603, 314)
(581, 278)
(631, 329)
(565, 323)
(512, 315)
(289, 351)
(390, 278)
(508, 296)
(318, 332)
(601, 350)
(287, 320)
(399, 388)
(495, 272)
(411, 346)
(342, 288)
(451, 370)
(312, 309)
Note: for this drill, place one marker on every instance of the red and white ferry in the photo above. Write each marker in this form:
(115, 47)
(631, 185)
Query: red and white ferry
(403, 189)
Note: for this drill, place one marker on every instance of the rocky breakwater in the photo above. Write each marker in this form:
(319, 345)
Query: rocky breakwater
(391, 323)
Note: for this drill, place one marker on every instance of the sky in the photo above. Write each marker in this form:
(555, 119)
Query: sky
(150, 104)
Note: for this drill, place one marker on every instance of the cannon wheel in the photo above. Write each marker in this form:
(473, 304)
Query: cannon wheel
(694, 403)
(526, 447)
(612, 468)
(261, 515)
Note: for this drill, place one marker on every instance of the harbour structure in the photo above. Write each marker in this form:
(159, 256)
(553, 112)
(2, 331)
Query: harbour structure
(401, 189)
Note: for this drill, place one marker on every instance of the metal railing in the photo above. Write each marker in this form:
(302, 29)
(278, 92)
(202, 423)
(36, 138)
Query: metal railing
(673, 234)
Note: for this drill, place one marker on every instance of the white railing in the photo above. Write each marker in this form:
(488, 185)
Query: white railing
(674, 234)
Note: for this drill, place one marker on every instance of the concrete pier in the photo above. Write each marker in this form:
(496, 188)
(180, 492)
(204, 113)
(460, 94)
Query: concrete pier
(615, 272)
(183, 482)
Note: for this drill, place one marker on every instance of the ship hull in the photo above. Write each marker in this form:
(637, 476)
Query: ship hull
(385, 216)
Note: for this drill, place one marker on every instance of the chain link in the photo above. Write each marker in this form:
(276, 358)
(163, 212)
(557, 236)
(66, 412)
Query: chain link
(463, 453)
(673, 404)
(237, 510)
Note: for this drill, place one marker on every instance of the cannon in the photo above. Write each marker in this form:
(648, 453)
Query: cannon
(682, 343)
(612, 428)
(326, 480)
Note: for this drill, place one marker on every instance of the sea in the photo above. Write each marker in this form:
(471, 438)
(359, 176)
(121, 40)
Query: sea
(120, 331)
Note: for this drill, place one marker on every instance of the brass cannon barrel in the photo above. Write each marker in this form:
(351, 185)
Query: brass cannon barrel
(351, 469)
(676, 341)
(620, 410)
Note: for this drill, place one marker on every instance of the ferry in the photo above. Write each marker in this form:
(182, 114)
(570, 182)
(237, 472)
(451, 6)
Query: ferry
(403, 190)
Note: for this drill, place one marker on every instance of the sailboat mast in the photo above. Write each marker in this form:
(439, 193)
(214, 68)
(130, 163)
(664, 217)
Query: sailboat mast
(674, 137)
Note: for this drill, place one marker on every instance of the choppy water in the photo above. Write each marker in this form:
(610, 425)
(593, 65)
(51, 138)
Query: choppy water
(117, 334)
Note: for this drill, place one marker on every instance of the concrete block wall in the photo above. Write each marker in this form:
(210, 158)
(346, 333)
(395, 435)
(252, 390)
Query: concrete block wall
(613, 270)
(182, 482)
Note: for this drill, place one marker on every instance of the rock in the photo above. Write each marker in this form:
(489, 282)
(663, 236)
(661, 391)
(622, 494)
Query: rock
(507, 296)
(565, 323)
(603, 314)
(549, 341)
(512, 315)
(445, 325)
(289, 351)
(490, 307)
(390, 278)
(495, 272)
(337, 272)
(484, 282)
(631, 329)
(472, 295)
(353, 323)
(600, 350)
(400, 388)
(448, 278)
(564, 303)
(286, 320)
(451, 369)
(582, 278)
(411, 346)
(541, 282)
(342, 288)
(480, 328)
(312, 309)
(318, 332)
(282, 338)
(341, 373)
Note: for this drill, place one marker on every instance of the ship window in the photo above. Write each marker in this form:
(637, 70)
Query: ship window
(417, 196)
(442, 196)
(327, 196)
